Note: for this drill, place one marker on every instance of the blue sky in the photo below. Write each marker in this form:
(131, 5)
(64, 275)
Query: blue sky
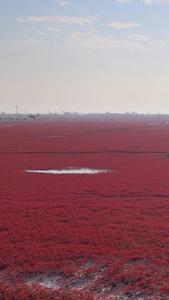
(86, 56)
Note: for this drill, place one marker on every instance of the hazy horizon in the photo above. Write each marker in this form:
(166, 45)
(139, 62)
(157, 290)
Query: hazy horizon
(85, 56)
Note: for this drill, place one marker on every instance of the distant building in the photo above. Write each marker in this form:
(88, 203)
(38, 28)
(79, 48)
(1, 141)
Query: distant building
(31, 116)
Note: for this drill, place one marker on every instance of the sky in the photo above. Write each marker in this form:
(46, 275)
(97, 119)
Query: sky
(84, 56)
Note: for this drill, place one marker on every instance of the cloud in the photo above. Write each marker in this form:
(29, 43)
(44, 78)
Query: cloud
(121, 1)
(145, 1)
(63, 3)
(159, 43)
(92, 41)
(40, 32)
(138, 37)
(34, 19)
(119, 25)
(54, 29)
(154, 1)
(146, 39)
(65, 20)
(30, 42)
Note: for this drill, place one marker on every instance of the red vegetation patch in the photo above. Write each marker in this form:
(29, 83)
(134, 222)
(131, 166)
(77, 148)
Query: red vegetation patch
(85, 236)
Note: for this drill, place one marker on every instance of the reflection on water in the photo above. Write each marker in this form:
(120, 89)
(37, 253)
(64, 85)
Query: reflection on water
(70, 171)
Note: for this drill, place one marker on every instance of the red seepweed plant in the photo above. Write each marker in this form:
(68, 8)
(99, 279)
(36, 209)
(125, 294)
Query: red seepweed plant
(85, 236)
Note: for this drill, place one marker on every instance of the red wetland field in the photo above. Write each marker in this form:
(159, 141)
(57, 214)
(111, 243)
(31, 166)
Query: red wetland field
(84, 208)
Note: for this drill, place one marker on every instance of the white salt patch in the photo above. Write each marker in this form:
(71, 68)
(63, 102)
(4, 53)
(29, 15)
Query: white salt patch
(45, 280)
(56, 136)
(70, 171)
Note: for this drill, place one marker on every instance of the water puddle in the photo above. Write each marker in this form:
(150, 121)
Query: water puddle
(151, 124)
(71, 171)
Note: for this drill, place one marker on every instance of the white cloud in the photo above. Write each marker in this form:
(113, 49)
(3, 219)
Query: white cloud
(145, 1)
(65, 20)
(150, 42)
(55, 29)
(92, 41)
(154, 1)
(138, 37)
(34, 19)
(30, 42)
(149, 1)
(159, 43)
(121, 1)
(63, 3)
(119, 25)
(40, 32)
